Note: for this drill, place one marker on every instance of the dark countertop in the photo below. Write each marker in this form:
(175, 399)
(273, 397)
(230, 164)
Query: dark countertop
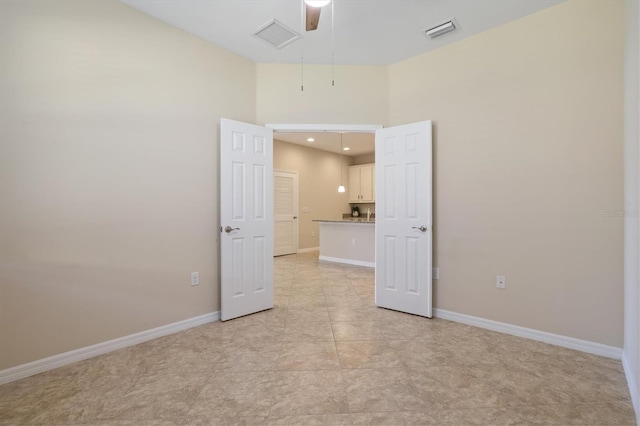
(354, 220)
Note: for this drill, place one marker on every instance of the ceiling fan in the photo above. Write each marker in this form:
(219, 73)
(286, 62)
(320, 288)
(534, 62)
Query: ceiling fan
(313, 9)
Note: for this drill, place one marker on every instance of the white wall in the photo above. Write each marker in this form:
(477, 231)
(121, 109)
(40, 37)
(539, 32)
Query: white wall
(527, 162)
(349, 242)
(631, 354)
(108, 172)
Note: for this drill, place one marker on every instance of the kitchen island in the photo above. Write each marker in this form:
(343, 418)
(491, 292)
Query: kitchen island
(350, 241)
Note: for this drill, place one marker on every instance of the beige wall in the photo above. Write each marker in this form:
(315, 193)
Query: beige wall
(527, 159)
(631, 354)
(358, 97)
(318, 180)
(108, 172)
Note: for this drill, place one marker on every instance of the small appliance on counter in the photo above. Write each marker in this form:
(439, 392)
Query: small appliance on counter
(355, 211)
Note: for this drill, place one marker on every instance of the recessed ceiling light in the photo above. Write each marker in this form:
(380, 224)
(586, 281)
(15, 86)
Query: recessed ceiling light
(310, 140)
(346, 148)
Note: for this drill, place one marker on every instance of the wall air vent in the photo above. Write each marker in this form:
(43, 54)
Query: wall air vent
(277, 34)
(441, 29)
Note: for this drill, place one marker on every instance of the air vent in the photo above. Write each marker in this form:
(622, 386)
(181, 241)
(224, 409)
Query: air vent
(441, 29)
(277, 34)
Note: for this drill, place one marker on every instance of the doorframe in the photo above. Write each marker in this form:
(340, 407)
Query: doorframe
(330, 128)
(319, 128)
(294, 172)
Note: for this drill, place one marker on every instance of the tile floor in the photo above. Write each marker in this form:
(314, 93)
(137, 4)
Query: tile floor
(325, 355)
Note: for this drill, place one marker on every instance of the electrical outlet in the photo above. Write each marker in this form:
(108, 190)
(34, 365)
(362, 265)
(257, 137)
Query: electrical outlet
(353, 242)
(501, 282)
(305, 210)
(436, 273)
(313, 233)
(195, 278)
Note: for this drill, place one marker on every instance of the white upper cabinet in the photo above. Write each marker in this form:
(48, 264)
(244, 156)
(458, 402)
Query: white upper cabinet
(362, 183)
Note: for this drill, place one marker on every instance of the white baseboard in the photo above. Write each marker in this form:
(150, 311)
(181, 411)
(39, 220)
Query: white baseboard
(632, 384)
(348, 261)
(308, 250)
(529, 333)
(46, 364)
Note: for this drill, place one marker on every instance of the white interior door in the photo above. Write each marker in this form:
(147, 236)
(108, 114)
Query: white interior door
(246, 218)
(285, 212)
(403, 218)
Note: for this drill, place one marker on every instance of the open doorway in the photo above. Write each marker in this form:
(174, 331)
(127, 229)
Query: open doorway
(324, 162)
(403, 255)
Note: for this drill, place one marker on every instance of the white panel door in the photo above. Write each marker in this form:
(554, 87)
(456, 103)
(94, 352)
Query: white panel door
(285, 212)
(246, 218)
(403, 218)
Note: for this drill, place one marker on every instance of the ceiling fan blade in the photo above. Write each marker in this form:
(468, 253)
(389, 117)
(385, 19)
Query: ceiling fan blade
(313, 17)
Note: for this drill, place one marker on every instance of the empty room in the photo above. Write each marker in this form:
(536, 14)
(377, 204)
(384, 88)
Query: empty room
(451, 187)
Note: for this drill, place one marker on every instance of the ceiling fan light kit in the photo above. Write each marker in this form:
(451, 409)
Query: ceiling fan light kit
(312, 10)
(317, 3)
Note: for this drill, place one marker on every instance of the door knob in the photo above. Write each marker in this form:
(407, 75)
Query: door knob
(421, 228)
(228, 229)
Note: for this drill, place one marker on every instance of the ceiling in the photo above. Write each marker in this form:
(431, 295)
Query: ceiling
(358, 143)
(367, 32)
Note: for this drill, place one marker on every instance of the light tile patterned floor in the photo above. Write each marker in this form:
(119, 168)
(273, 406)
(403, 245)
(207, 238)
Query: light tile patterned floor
(325, 355)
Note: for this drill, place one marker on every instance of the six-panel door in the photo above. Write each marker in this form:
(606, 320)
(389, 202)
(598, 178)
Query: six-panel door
(403, 218)
(246, 218)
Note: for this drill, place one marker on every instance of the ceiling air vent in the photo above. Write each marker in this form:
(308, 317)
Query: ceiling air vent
(441, 29)
(277, 34)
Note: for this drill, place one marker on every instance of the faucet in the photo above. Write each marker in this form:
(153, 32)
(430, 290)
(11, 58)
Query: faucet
(368, 214)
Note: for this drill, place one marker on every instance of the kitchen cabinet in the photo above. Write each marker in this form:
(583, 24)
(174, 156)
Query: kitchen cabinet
(362, 183)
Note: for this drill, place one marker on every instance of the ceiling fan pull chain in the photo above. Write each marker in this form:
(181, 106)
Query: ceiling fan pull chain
(333, 78)
(333, 49)
(302, 7)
